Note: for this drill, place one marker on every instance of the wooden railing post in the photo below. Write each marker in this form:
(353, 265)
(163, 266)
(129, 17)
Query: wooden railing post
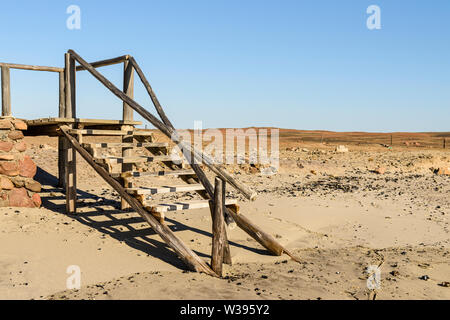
(69, 151)
(128, 88)
(61, 114)
(6, 92)
(218, 227)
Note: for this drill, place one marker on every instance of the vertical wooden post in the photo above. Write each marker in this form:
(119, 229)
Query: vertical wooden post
(6, 92)
(218, 228)
(61, 114)
(128, 88)
(444, 143)
(70, 152)
(391, 140)
(226, 246)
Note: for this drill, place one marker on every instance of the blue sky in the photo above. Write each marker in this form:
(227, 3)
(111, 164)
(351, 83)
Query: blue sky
(290, 64)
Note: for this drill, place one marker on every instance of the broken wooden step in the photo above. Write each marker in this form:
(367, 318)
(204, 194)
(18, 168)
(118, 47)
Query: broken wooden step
(134, 159)
(99, 132)
(165, 189)
(136, 174)
(183, 205)
(126, 145)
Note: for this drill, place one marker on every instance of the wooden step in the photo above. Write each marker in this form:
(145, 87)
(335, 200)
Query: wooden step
(99, 132)
(126, 145)
(165, 189)
(183, 205)
(142, 133)
(136, 174)
(134, 159)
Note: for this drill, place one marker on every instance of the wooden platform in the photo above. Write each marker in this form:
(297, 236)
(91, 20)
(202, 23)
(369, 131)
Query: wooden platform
(49, 126)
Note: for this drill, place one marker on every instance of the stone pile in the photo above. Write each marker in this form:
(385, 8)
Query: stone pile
(17, 186)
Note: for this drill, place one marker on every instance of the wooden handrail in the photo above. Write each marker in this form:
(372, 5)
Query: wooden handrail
(29, 67)
(104, 63)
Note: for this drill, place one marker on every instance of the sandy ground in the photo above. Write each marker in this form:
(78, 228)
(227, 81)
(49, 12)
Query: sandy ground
(329, 208)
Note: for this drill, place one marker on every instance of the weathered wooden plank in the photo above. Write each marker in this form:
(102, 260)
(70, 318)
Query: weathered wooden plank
(133, 159)
(106, 62)
(126, 144)
(184, 205)
(165, 189)
(90, 122)
(187, 255)
(100, 132)
(136, 174)
(29, 67)
(6, 92)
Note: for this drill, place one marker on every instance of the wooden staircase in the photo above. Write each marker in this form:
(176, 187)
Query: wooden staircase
(121, 165)
(141, 148)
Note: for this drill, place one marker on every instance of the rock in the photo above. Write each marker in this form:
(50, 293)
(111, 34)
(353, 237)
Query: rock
(18, 181)
(6, 146)
(380, 170)
(27, 167)
(7, 157)
(33, 186)
(445, 284)
(254, 170)
(442, 171)
(341, 149)
(9, 168)
(5, 124)
(15, 135)
(270, 170)
(305, 150)
(425, 278)
(36, 198)
(20, 146)
(6, 184)
(45, 146)
(20, 125)
(19, 198)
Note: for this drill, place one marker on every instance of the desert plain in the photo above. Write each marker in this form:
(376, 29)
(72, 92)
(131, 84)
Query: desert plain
(374, 202)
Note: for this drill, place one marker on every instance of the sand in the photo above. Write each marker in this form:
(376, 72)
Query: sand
(330, 209)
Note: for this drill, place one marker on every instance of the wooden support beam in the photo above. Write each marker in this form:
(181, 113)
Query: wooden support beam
(28, 67)
(6, 92)
(193, 261)
(104, 63)
(69, 152)
(62, 96)
(61, 148)
(226, 246)
(128, 88)
(218, 228)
